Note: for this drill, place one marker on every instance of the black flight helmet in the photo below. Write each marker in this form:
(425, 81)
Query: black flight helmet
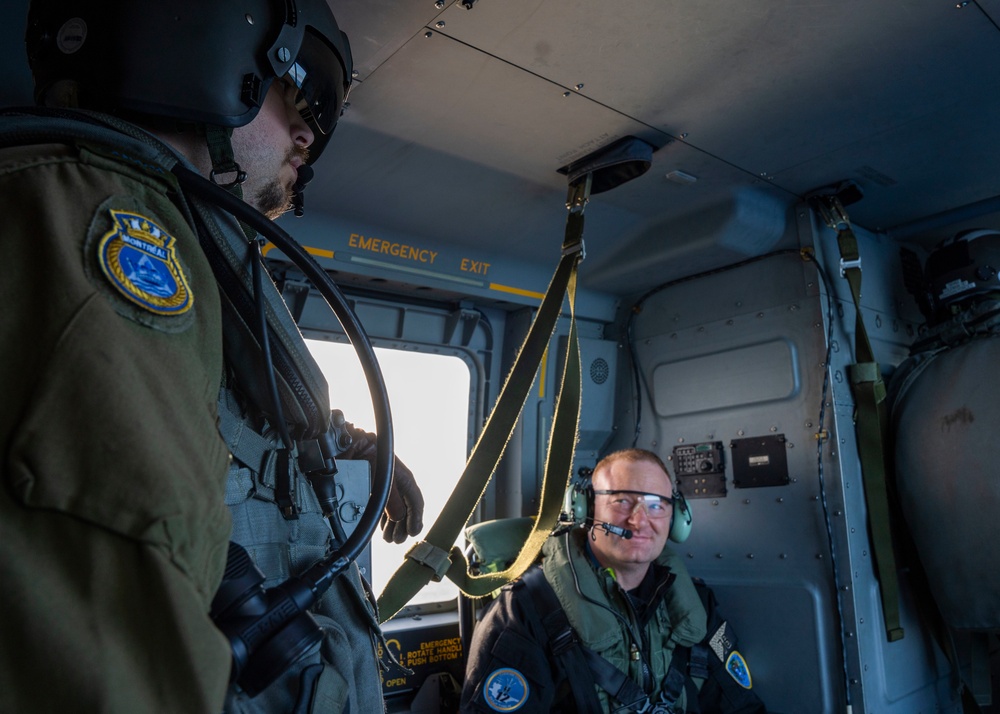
(202, 62)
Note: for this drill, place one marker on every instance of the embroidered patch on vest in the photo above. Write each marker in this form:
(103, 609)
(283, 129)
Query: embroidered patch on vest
(738, 670)
(505, 690)
(137, 257)
(720, 642)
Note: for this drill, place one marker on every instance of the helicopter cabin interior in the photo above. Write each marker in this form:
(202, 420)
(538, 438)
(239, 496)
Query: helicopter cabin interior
(715, 317)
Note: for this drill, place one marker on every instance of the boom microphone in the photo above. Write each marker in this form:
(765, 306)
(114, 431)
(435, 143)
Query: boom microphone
(617, 530)
(305, 174)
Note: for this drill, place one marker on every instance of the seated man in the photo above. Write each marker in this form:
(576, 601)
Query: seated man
(610, 621)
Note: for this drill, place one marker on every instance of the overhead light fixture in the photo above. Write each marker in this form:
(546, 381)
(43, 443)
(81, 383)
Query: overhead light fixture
(682, 178)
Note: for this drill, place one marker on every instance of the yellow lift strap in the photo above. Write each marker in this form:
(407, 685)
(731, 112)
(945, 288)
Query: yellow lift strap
(434, 557)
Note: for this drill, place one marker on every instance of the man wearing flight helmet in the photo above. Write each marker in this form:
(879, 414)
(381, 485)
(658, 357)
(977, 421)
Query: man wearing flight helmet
(130, 303)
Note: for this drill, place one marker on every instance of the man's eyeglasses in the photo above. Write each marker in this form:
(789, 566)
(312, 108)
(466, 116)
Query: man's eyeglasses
(624, 503)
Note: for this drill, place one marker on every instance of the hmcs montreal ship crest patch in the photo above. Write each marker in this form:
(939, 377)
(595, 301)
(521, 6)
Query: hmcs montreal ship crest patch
(137, 256)
(505, 690)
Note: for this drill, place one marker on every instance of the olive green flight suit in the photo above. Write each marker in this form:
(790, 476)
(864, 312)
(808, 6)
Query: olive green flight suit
(113, 527)
(679, 620)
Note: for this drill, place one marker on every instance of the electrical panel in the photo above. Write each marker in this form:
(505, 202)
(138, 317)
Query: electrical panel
(700, 469)
(759, 461)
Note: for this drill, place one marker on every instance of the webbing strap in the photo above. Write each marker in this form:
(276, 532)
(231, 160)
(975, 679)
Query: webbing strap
(564, 644)
(246, 445)
(412, 575)
(615, 682)
(583, 667)
(872, 424)
(699, 662)
(673, 682)
(581, 661)
(220, 150)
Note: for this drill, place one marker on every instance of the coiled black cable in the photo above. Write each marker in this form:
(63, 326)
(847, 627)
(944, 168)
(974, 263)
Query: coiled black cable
(323, 573)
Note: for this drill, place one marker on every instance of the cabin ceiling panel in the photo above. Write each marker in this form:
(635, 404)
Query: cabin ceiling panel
(458, 136)
(480, 139)
(951, 161)
(378, 28)
(680, 66)
(479, 106)
(401, 186)
(463, 102)
(457, 201)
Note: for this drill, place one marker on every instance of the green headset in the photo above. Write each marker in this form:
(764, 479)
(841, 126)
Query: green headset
(581, 499)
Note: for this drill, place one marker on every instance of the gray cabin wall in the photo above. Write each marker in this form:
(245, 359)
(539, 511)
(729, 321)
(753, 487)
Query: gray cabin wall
(911, 674)
(739, 357)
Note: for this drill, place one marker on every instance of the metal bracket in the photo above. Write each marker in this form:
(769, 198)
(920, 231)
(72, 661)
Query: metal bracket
(576, 202)
(577, 247)
(832, 212)
(579, 194)
(829, 203)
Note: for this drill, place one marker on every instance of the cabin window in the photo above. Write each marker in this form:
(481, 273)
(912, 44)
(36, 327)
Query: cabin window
(430, 398)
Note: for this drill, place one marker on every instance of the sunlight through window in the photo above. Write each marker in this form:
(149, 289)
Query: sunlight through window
(430, 401)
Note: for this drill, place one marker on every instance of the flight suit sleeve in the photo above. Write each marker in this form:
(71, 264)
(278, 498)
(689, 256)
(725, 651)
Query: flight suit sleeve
(507, 666)
(728, 688)
(113, 528)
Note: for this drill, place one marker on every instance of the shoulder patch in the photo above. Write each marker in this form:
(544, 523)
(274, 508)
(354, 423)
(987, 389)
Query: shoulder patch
(721, 642)
(505, 690)
(738, 670)
(138, 258)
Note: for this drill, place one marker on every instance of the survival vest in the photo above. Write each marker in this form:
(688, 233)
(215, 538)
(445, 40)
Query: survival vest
(584, 667)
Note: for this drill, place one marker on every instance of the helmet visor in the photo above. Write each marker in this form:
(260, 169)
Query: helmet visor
(318, 75)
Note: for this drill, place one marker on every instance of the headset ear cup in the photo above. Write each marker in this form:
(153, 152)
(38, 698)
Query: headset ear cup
(680, 525)
(582, 502)
(578, 506)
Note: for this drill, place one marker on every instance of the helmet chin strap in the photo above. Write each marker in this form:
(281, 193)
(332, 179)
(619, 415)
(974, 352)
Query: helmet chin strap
(220, 149)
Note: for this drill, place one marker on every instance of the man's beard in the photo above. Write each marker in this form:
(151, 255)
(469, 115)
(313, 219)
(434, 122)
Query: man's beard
(275, 198)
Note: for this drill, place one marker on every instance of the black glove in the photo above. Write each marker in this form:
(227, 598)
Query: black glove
(404, 511)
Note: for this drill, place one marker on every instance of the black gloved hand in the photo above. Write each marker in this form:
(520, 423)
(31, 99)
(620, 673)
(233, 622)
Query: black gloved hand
(404, 511)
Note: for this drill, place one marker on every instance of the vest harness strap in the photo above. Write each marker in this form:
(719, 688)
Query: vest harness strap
(584, 667)
(311, 458)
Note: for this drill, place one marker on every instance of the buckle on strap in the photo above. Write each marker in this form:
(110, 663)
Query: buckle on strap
(430, 556)
(576, 247)
(564, 640)
(579, 193)
(849, 264)
(648, 707)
